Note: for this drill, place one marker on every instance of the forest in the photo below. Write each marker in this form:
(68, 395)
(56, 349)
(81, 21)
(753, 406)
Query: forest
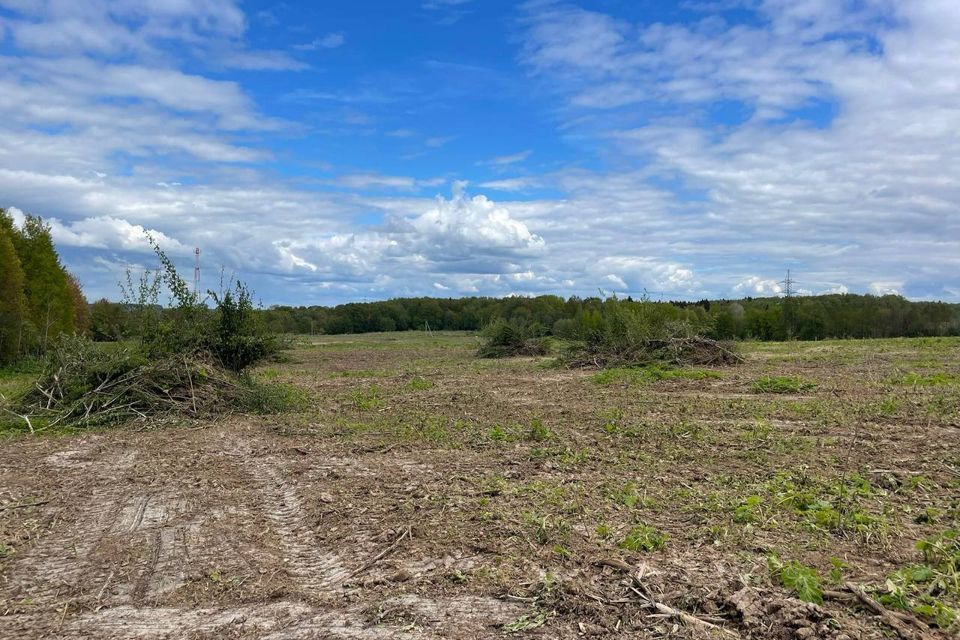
(802, 318)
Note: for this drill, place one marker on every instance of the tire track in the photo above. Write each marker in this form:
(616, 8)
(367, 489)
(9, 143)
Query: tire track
(316, 572)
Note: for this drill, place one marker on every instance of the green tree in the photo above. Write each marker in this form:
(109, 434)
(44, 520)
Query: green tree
(81, 308)
(12, 300)
(50, 303)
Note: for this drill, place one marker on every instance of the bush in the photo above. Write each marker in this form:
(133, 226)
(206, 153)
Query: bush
(232, 333)
(187, 360)
(502, 339)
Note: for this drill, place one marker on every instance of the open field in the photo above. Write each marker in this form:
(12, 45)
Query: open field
(415, 491)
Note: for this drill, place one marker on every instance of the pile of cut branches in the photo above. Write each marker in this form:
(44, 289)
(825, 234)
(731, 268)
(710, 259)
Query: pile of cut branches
(83, 385)
(503, 339)
(676, 350)
(638, 334)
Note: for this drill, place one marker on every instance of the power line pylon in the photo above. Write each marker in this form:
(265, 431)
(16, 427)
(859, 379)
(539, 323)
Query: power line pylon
(788, 291)
(788, 283)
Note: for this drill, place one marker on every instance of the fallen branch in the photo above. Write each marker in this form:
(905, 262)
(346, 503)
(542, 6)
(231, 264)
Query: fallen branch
(407, 533)
(23, 417)
(641, 590)
(22, 505)
(898, 623)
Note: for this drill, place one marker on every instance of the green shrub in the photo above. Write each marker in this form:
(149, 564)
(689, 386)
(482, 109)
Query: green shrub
(232, 332)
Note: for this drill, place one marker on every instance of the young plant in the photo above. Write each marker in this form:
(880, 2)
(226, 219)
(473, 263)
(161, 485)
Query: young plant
(803, 580)
(643, 537)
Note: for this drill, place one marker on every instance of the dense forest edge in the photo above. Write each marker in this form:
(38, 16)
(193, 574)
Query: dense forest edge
(803, 318)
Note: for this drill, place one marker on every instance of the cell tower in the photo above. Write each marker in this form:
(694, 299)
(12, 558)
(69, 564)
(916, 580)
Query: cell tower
(196, 274)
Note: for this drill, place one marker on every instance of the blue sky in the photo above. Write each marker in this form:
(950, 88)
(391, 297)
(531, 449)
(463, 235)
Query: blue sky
(336, 151)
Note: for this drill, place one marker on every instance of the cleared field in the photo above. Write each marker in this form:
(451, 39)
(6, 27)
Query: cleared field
(418, 492)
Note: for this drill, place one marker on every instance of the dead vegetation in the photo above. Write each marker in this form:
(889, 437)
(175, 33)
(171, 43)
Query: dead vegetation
(84, 384)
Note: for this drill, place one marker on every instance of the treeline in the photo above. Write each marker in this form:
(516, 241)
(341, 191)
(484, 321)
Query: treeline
(805, 318)
(39, 300)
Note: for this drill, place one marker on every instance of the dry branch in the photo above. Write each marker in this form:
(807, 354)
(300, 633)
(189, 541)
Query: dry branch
(641, 590)
(897, 622)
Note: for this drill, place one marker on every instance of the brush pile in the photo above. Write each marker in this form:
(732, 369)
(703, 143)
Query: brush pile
(84, 385)
(503, 339)
(630, 334)
(677, 350)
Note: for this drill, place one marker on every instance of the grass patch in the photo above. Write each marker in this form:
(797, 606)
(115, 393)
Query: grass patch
(914, 379)
(419, 384)
(782, 384)
(269, 399)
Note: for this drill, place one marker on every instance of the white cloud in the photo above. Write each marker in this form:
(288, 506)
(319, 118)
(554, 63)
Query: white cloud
(886, 288)
(755, 285)
(289, 261)
(616, 280)
(512, 184)
(462, 224)
(105, 232)
(438, 141)
(328, 41)
(372, 180)
(842, 133)
(515, 158)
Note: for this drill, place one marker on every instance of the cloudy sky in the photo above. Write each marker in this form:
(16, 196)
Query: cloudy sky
(350, 150)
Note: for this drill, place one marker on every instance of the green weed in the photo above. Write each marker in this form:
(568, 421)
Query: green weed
(538, 432)
(269, 399)
(366, 399)
(643, 537)
(931, 589)
(526, 622)
(803, 580)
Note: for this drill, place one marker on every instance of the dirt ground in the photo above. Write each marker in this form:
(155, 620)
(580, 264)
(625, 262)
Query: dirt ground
(414, 491)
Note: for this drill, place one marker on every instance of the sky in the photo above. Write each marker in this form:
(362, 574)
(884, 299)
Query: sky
(337, 151)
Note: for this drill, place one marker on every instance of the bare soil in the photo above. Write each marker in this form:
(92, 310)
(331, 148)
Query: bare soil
(418, 492)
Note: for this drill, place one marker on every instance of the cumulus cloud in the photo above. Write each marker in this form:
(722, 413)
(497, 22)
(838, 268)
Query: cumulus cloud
(755, 285)
(105, 232)
(465, 223)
